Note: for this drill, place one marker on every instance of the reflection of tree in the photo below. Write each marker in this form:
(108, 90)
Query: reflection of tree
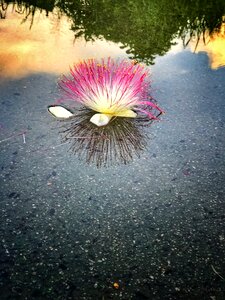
(28, 8)
(204, 17)
(145, 28)
(118, 142)
(30, 4)
(137, 25)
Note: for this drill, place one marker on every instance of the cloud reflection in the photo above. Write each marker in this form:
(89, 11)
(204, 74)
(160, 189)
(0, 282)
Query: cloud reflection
(214, 46)
(48, 47)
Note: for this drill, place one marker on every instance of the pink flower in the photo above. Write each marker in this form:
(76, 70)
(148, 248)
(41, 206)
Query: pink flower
(111, 88)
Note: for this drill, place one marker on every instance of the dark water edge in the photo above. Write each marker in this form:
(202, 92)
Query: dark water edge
(155, 226)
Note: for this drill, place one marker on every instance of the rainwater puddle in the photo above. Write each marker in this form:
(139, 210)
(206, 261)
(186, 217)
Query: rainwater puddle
(132, 210)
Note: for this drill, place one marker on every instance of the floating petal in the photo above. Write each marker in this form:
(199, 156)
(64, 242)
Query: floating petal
(60, 112)
(100, 119)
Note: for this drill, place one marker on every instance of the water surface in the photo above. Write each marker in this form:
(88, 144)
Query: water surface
(155, 225)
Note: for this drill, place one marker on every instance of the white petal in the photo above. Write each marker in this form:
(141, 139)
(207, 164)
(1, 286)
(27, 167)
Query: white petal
(126, 113)
(100, 119)
(60, 112)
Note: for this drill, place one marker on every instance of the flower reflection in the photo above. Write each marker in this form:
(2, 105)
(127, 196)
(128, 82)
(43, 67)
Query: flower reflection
(119, 142)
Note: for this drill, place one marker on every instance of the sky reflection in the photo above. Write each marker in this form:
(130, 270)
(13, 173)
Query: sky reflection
(214, 47)
(48, 46)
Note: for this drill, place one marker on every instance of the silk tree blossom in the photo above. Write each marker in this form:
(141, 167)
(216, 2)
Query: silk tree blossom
(110, 88)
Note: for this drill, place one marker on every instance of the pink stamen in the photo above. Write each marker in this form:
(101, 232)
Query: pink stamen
(109, 85)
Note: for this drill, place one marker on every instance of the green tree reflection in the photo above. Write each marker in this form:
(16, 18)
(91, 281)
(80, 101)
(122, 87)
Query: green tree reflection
(146, 28)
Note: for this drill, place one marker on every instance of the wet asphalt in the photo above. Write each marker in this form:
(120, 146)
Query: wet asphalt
(155, 226)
